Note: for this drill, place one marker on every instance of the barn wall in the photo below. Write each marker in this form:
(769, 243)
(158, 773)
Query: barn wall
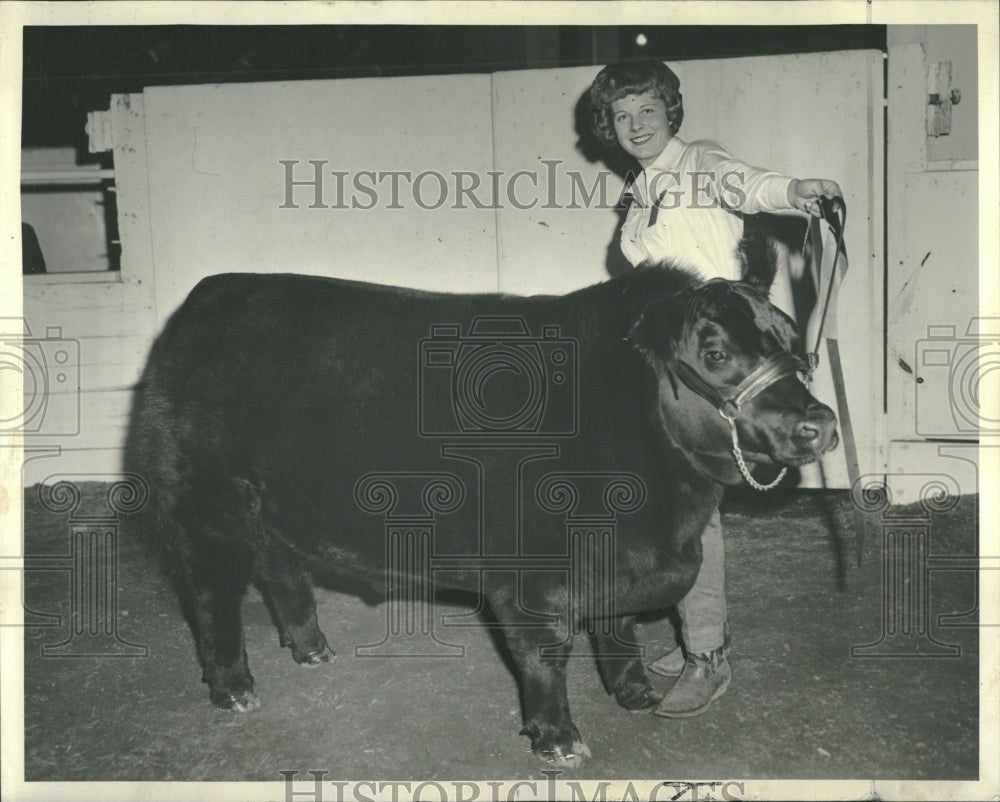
(560, 243)
(195, 198)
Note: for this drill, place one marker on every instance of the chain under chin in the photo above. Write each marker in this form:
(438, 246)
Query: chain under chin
(741, 463)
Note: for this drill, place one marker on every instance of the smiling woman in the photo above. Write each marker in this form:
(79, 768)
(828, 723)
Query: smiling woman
(641, 126)
(652, 87)
(688, 206)
(638, 107)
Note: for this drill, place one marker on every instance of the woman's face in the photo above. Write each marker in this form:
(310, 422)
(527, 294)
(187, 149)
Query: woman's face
(641, 126)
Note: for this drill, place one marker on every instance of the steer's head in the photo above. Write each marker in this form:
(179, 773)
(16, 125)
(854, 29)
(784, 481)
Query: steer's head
(723, 357)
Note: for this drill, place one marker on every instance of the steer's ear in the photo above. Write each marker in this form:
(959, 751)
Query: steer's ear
(657, 330)
(758, 254)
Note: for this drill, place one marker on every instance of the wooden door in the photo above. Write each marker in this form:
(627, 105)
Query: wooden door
(943, 351)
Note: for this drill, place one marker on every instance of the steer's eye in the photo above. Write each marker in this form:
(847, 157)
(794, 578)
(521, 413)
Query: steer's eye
(716, 357)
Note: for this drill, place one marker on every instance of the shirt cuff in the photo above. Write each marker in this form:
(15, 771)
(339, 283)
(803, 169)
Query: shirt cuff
(774, 194)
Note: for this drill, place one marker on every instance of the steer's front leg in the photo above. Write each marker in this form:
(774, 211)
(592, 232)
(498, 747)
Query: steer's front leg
(542, 668)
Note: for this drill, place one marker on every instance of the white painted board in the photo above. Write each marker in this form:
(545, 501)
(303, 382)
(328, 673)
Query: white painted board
(217, 184)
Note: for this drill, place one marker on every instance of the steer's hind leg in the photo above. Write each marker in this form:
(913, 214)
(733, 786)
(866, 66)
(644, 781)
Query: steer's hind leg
(619, 662)
(288, 592)
(542, 669)
(212, 581)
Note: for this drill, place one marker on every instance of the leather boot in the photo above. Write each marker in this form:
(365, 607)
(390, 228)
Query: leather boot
(704, 679)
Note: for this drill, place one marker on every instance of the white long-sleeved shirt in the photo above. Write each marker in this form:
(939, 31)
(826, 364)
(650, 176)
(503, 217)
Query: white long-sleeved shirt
(697, 223)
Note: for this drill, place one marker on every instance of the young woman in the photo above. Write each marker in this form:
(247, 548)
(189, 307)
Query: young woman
(688, 207)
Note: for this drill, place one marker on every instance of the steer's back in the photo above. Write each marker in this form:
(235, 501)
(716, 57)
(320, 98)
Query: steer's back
(249, 356)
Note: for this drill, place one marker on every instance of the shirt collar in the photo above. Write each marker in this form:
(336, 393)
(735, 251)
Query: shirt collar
(669, 157)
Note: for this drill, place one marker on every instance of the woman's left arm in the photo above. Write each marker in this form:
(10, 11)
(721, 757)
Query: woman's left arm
(738, 185)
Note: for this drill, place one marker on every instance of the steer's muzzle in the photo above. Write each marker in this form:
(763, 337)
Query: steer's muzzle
(817, 431)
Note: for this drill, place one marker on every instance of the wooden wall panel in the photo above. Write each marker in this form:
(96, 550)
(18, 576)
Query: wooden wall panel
(934, 277)
(217, 184)
(561, 243)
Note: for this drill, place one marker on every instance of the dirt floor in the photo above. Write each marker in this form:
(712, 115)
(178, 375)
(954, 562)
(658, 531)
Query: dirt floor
(800, 706)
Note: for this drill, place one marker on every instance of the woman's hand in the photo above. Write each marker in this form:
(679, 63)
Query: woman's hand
(804, 194)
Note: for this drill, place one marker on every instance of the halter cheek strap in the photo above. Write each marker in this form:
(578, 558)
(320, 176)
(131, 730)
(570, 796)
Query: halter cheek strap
(771, 370)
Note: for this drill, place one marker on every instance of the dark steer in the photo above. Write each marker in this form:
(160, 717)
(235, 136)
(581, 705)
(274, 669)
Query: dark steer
(555, 459)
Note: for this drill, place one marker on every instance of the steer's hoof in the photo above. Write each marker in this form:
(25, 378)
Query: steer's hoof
(564, 749)
(237, 702)
(309, 657)
(570, 758)
(638, 697)
(315, 657)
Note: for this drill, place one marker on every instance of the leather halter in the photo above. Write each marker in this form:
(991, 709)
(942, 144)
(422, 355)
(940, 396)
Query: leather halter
(771, 370)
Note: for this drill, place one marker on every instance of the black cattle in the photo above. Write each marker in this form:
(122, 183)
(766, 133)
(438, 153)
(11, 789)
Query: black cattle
(545, 455)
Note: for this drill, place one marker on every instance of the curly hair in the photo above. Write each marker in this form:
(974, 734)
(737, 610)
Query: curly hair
(633, 78)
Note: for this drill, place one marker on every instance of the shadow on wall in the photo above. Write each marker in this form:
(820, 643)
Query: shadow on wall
(32, 261)
(615, 160)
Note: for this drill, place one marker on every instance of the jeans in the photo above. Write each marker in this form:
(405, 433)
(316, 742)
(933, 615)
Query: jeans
(703, 610)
